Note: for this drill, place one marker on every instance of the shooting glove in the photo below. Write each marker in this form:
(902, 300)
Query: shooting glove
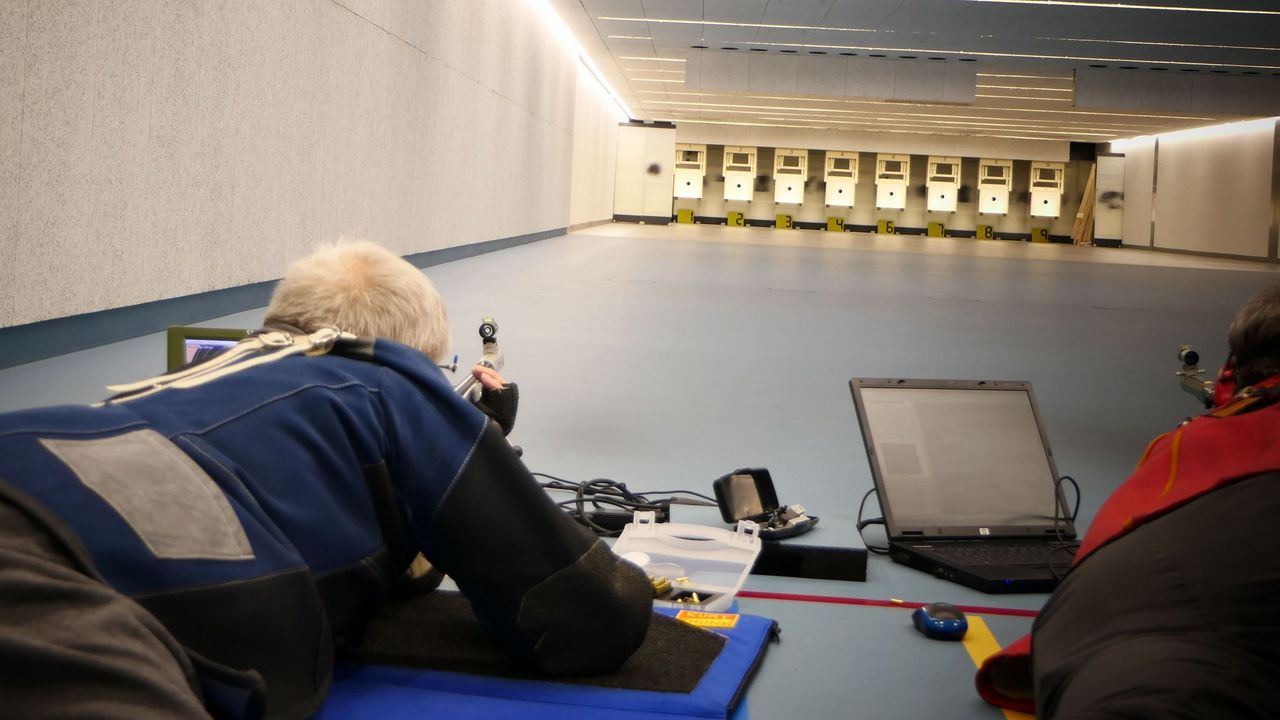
(500, 406)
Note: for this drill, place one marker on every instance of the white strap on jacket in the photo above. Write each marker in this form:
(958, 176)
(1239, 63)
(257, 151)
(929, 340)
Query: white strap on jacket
(273, 345)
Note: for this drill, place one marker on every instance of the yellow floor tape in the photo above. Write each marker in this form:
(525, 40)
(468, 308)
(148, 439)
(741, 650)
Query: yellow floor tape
(981, 645)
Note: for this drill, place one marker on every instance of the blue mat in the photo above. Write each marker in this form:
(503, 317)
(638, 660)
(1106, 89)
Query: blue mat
(392, 693)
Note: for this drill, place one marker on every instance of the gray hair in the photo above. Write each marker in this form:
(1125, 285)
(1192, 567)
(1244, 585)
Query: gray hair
(1254, 338)
(362, 288)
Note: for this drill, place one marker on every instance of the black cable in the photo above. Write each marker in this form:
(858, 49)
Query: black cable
(1064, 546)
(603, 494)
(874, 549)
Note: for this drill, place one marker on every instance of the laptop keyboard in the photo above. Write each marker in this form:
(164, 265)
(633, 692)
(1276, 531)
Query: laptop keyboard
(998, 553)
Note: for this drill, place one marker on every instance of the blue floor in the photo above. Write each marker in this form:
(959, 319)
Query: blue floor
(665, 357)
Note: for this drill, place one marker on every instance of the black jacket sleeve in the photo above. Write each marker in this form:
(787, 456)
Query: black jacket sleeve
(558, 595)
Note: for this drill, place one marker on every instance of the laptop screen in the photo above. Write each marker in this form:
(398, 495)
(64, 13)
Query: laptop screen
(956, 457)
(187, 344)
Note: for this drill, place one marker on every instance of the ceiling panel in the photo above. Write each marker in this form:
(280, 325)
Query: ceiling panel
(1025, 56)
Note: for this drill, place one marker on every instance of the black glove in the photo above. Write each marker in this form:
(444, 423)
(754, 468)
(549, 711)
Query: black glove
(500, 405)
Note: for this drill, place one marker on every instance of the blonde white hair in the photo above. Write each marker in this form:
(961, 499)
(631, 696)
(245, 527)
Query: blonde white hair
(362, 288)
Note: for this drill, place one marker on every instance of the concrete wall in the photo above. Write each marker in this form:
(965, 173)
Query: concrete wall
(159, 149)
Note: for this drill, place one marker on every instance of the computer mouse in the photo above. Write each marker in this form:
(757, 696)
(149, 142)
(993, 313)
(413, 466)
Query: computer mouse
(940, 621)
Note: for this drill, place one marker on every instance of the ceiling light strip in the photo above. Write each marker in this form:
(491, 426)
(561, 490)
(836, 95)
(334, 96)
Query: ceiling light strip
(828, 122)
(1091, 113)
(1162, 44)
(1025, 97)
(1025, 87)
(1031, 56)
(883, 130)
(720, 23)
(1064, 78)
(1129, 6)
(962, 120)
(983, 107)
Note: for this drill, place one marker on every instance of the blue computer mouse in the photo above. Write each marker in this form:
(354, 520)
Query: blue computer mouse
(940, 621)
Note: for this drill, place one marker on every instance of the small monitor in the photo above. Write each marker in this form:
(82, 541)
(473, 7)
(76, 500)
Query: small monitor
(841, 163)
(1048, 174)
(994, 171)
(740, 159)
(690, 156)
(189, 345)
(791, 161)
(944, 168)
(893, 166)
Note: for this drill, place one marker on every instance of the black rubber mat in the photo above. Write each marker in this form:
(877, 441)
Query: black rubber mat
(438, 631)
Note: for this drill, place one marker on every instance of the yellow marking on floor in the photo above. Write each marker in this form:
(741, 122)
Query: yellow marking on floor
(981, 645)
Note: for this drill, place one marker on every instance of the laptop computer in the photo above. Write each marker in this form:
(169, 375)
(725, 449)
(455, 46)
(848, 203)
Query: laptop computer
(966, 481)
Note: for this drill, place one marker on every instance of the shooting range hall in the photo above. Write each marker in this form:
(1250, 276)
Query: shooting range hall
(695, 223)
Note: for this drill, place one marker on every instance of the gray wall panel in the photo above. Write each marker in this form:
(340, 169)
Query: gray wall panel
(962, 81)
(868, 78)
(1166, 91)
(170, 148)
(820, 76)
(724, 71)
(1211, 94)
(918, 81)
(771, 73)
(56, 162)
(1140, 90)
(13, 54)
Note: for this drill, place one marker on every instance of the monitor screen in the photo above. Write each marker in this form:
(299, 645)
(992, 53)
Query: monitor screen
(994, 171)
(893, 166)
(1047, 174)
(841, 163)
(944, 169)
(959, 457)
(740, 158)
(187, 345)
(689, 156)
(196, 350)
(791, 161)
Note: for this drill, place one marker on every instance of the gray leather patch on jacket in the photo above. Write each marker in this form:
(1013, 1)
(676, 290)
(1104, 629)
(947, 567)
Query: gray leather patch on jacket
(172, 504)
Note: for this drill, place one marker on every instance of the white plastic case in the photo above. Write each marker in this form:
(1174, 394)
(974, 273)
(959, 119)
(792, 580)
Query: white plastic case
(711, 562)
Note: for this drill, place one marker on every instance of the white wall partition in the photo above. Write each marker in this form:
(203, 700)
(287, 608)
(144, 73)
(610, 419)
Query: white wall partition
(645, 171)
(1213, 192)
(1139, 173)
(152, 150)
(1213, 189)
(595, 139)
